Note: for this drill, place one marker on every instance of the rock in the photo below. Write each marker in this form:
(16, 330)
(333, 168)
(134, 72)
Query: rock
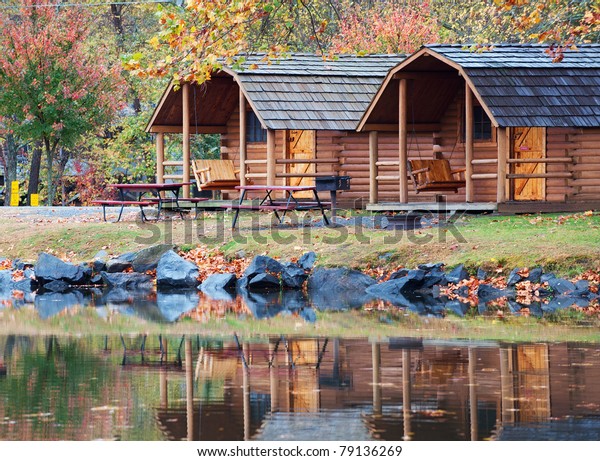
(487, 293)
(481, 274)
(458, 308)
(99, 261)
(514, 306)
(561, 286)
(535, 275)
(431, 266)
(433, 278)
(393, 288)
(398, 274)
(240, 254)
(117, 265)
(463, 292)
(148, 258)
(96, 280)
(242, 284)
(261, 264)
(129, 280)
(547, 277)
(514, 277)
(293, 276)
(266, 282)
(263, 305)
(5, 278)
(582, 288)
(50, 304)
(49, 268)
(294, 300)
(457, 274)
(174, 271)
(219, 282)
(338, 289)
(307, 260)
(21, 265)
(57, 286)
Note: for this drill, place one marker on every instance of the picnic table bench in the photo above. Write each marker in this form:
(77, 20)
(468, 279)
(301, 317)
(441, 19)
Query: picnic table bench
(268, 203)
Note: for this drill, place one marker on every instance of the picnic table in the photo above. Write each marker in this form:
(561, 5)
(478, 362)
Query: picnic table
(158, 198)
(268, 203)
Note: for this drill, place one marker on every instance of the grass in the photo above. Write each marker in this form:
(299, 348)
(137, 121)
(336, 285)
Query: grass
(564, 244)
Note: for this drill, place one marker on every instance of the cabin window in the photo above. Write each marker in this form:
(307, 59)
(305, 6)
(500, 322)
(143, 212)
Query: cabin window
(254, 130)
(482, 126)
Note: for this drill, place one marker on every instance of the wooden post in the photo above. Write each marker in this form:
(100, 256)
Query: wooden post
(468, 143)
(373, 156)
(473, 393)
(271, 157)
(185, 96)
(189, 389)
(160, 158)
(377, 391)
(402, 138)
(502, 155)
(243, 138)
(406, 394)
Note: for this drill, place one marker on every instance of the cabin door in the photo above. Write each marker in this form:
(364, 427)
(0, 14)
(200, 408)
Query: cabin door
(528, 143)
(301, 145)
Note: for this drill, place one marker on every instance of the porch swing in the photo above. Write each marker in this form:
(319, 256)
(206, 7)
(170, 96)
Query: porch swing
(433, 175)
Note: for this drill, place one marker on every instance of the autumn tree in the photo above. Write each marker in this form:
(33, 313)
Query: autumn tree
(54, 88)
(384, 27)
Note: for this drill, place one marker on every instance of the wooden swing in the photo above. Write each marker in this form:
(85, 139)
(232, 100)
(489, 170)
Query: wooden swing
(435, 175)
(215, 174)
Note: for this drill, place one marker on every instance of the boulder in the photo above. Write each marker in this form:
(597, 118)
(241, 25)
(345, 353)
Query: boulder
(458, 307)
(5, 278)
(457, 274)
(535, 275)
(129, 280)
(173, 304)
(558, 303)
(307, 260)
(398, 274)
(264, 304)
(339, 289)
(174, 271)
(50, 304)
(262, 264)
(561, 286)
(117, 265)
(219, 282)
(49, 268)
(481, 274)
(392, 288)
(433, 278)
(514, 277)
(293, 276)
(148, 258)
(547, 277)
(431, 266)
(99, 261)
(266, 282)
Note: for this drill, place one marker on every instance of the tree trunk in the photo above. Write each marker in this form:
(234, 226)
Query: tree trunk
(34, 171)
(63, 159)
(10, 162)
(49, 175)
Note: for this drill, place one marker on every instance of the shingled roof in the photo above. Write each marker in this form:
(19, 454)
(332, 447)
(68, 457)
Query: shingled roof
(304, 91)
(521, 85)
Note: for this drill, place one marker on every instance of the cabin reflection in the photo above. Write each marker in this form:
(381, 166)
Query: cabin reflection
(404, 389)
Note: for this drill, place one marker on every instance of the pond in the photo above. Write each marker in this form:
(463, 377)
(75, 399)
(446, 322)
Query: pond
(151, 387)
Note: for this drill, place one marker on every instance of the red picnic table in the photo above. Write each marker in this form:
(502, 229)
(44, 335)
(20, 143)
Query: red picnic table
(269, 203)
(157, 190)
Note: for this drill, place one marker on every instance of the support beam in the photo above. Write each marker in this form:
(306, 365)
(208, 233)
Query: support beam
(243, 138)
(502, 156)
(373, 156)
(271, 164)
(468, 143)
(185, 95)
(402, 141)
(160, 158)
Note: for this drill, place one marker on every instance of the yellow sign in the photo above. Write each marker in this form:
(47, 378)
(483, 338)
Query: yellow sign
(34, 200)
(14, 193)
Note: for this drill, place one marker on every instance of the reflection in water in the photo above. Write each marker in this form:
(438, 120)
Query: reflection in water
(193, 388)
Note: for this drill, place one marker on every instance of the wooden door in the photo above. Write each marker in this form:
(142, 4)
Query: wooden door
(528, 143)
(301, 145)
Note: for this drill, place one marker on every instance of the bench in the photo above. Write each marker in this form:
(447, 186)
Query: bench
(122, 204)
(194, 200)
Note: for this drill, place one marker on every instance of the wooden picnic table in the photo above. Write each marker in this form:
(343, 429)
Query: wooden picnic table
(158, 191)
(269, 203)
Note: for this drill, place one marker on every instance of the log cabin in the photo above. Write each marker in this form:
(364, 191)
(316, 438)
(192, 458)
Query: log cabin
(523, 130)
(281, 123)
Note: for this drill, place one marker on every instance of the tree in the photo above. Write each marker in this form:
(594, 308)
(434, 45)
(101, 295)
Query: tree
(384, 28)
(53, 87)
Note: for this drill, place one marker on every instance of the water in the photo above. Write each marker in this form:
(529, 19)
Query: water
(286, 388)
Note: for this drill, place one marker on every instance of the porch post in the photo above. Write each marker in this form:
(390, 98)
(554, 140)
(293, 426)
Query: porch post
(271, 157)
(373, 155)
(402, 138)
(502, 155)
(242, 138)
(185, 95)
(160, 158)
(468, 143)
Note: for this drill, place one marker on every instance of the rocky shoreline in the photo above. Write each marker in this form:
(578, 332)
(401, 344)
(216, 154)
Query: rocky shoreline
(270, 287)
